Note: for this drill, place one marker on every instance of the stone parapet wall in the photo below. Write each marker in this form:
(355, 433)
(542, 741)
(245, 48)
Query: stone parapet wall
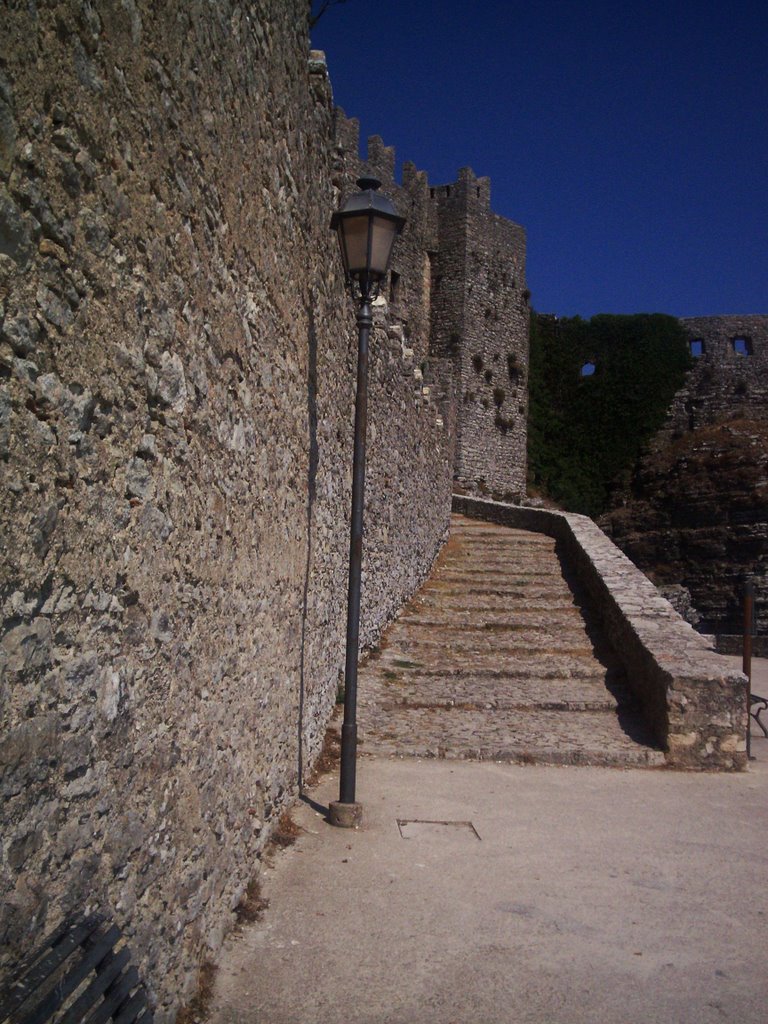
(694, 702)
(177, 358)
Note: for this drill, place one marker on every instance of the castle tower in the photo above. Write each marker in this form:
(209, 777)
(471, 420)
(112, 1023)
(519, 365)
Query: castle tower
(480, 317)
(457, 293)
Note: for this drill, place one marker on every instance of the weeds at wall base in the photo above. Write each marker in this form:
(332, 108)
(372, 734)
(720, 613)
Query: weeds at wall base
(196, 1011)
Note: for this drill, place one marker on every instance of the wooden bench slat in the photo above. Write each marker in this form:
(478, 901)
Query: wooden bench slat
(101, 982)
(41, 966)
(131, 1009)
(115, 997)
(28, 962)
(102, 945)
(77, 976)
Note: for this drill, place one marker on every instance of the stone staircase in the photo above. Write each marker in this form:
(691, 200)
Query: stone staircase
(496, 659)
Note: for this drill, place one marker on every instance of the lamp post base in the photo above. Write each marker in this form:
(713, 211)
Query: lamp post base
(344, 815)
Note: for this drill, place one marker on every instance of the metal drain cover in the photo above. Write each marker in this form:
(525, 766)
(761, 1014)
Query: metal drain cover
(416, 828)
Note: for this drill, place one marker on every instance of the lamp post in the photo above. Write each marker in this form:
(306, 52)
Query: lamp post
(367, 226)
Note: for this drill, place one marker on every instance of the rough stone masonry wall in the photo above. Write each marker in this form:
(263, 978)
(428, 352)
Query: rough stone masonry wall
(177, 358)
(695, 703)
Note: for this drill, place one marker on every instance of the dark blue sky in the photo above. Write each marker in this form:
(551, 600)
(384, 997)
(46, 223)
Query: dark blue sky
(630, 140)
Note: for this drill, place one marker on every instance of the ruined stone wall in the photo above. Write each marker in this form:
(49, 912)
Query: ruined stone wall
(697, 510)
(176, 407)
(402, 316)
(724, 383)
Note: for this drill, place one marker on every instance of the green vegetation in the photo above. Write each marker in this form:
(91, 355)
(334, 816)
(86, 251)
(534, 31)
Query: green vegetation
(585, 432)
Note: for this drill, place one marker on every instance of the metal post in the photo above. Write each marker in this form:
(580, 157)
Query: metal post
(746, 663)
(346, 812)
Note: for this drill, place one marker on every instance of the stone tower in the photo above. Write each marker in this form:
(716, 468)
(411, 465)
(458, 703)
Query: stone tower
(457, 289)
(480, 317)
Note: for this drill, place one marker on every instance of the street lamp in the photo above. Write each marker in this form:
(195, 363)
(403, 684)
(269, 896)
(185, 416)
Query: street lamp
(367, 226)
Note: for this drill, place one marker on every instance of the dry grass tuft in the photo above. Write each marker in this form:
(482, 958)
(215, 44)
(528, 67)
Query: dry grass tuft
(196, 1011)
(286, 833)
(329, 757)
(253, 904)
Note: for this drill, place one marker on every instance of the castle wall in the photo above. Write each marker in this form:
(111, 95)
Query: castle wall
(176, 409)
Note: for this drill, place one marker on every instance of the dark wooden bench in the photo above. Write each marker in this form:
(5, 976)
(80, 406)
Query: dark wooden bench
(761, 704)
(81, 974)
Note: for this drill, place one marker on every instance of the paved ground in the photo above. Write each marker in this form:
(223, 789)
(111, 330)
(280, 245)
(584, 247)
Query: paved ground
(577, 896)
(496, 658)
(495, 893)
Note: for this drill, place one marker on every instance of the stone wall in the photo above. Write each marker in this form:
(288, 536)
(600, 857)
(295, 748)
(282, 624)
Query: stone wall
(694, 702)
(176, 411)
(697, 510)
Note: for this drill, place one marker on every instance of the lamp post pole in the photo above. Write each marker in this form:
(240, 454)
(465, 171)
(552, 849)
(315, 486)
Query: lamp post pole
(348, 772)
(367, 226)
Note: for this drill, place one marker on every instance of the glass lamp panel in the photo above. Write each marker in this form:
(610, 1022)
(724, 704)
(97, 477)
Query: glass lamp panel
(354, 235)
(340, 237)
(384, 231)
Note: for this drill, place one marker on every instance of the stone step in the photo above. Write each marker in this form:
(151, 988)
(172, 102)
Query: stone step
(493, 659)
(430, 617)
(522, 573)
(492, 534)
(554, 694)
(489, 603)
(568, 633)
(552, 665)
(513, 590)
(521, 737)
(462, 648)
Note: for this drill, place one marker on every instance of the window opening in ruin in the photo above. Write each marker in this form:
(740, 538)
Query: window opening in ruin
(742, 346)
(477, 362)
(588, 369)
(697, 347)
(394, 287)
(431, 193)
(448, 191)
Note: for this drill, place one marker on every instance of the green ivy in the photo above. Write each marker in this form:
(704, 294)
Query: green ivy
(585, 433)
